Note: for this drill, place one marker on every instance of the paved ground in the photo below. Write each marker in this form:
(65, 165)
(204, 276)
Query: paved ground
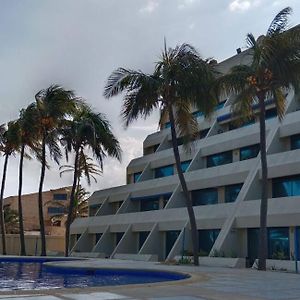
(206, 283)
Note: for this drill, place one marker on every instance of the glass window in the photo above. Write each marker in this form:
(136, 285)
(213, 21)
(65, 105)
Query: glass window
(171, 237)
(142, 238)
(253, 242)
(60, 196)
(136, 176)
(295, 141)
(205, 196)
(207, 238)
(203, 133)
(234, 125)
(97, 237)
(249, 152)
(56, 210)
(219, 159)
(232, 191)
(185, 165)
(279, 243)
(286, 186)
(78, 236)
(147, 205)
(164, 171)
(271, 113)
(119, 236)
(167, 124)
(166, 198)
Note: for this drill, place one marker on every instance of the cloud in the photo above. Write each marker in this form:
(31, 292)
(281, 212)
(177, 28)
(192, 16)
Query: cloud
(185, 3)
(243, 5)
(150, 7)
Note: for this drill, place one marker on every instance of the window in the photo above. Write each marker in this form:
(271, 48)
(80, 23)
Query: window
(197, 114)
(203, 133)
(56, 210)
(119, 236)
(278, 243)
(205, 196)
(220, 105)
(171, 237)
(78, 236)
(219, 159)
(286, 186)
(295, 141)
(60, 196)
(167, 124)
(136, 176)
(207, 238)
(185, 165)
(166, 198)
(97, 237)
(234, 125)
(232, 192)
(271, 113)
(142, 238)
(249, 152)
(164, 171)
(155, 147)
(147, 205)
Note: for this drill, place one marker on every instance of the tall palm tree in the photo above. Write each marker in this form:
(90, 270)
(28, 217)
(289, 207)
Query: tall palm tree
(273, 70)
(181, 79)
(9, 143)
(28, 137)
(53, 104)
(91, 131)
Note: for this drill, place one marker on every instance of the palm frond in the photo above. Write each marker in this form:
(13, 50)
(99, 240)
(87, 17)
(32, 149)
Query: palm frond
(280, 22)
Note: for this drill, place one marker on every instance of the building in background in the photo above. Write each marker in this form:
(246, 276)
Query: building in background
(146, 219)
(54, 203)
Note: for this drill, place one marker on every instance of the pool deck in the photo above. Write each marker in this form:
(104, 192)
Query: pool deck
(205, 283)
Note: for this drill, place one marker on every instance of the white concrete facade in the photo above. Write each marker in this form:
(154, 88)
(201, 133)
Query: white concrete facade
(118, 228)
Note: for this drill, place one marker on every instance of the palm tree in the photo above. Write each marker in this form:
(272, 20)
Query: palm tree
(86, 131)
(273, 70)
(9, 144)
(53, 104)
(28, 137)
(181, 79)
(11, 220)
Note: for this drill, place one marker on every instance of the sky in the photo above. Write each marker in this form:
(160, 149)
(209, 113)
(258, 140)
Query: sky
(78, 43)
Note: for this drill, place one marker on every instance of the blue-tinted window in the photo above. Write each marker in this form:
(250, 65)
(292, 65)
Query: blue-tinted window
(286, 186)
(185, 165)
(167, 124)
(60, 196)
(232, 192)
(136, 176)
(207, 238)
(249, 152)
(142, 238)
(279, 243)
(219, 159)
(171, 237)
(203, 133)
(56, 210)
(271, 113)
(220, 105)
(152, 204)
(205, 196)
(295, 141)
(197, 114)
(164, 171)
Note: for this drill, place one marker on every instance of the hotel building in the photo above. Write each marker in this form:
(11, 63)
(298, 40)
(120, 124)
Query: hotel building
(146, 219)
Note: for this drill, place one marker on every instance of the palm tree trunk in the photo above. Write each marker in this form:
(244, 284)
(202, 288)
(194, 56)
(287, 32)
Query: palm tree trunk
(20, 210)
(3, 238)
(72, 203)
(188, 200)
(40, 200)
(263, 242)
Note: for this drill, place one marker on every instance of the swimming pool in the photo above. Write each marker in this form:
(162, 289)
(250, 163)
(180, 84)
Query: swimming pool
(32, 274)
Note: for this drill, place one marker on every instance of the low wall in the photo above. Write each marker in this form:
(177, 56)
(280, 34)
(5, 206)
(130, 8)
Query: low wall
(279, 265)
(54, 244)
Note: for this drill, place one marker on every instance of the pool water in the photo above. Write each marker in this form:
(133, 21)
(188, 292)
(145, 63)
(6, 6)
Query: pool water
(33, 275)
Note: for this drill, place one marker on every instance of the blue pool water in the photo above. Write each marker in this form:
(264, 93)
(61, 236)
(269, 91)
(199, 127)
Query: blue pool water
(33, 275)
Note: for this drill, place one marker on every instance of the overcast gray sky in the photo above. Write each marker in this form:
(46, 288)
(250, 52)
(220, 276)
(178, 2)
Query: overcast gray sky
(78, 43)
